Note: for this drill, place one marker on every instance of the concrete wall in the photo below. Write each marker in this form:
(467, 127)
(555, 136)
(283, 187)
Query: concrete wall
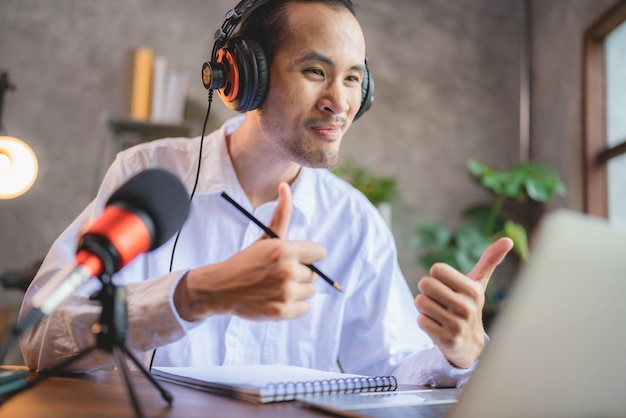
(447, 89)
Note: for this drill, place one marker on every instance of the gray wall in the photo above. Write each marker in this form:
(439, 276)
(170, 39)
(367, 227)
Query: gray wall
(447, 89)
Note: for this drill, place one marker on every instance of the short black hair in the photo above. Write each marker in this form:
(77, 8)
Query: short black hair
(267, 24)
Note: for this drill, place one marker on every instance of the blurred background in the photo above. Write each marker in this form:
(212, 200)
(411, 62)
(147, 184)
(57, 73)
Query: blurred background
(498, 81)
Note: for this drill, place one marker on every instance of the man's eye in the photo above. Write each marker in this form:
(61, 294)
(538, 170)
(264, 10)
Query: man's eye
(315, 71)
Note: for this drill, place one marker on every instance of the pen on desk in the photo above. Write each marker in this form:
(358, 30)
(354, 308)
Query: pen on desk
(272, 234)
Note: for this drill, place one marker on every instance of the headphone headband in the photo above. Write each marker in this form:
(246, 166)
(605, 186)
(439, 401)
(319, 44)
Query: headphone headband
(233, 18)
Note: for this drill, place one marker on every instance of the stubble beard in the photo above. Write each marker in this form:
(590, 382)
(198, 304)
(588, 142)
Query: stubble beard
(313, 158)
(298, 149)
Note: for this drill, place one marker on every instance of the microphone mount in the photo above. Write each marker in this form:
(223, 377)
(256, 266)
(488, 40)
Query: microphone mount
(110, 331)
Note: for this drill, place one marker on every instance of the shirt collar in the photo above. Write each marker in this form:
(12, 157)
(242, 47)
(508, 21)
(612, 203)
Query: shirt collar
(219, 173)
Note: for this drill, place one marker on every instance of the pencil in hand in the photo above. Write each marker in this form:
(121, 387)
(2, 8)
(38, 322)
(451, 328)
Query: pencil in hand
(272, 234)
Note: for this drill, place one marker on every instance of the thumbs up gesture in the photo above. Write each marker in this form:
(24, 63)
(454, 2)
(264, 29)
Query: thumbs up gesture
(451, 304)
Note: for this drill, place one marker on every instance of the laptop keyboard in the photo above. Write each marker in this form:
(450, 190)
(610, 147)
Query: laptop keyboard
(437, 410)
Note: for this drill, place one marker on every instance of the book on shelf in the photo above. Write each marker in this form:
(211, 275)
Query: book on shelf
(169, 92)
(157, 98)
(265, 383)
(139, 84)
(174, 95)
(154, 91)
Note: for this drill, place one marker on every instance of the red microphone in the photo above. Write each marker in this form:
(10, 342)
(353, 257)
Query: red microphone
(140, 216)
(115, 239)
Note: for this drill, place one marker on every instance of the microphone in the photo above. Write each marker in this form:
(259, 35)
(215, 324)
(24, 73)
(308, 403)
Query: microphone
(138, 217)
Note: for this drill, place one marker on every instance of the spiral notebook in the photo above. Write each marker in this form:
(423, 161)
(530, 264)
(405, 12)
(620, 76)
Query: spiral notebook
(264, 383)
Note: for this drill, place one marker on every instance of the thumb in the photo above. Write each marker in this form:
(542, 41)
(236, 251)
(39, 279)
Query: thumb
(282, 214)
(491, 258)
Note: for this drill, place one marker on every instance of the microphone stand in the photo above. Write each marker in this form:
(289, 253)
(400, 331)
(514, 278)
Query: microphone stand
(110, 334)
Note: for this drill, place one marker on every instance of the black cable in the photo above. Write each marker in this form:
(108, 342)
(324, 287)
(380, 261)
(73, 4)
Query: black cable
(193, 192)
(195, 185)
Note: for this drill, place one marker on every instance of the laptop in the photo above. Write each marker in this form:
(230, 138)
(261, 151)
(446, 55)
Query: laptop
(558, 347)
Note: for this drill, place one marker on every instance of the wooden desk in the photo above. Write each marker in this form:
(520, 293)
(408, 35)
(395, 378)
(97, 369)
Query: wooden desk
(104, 394)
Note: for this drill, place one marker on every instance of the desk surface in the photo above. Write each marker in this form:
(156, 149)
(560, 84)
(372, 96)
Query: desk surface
(104, 394)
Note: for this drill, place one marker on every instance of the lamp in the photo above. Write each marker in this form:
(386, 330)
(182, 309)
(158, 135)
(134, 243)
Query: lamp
(18, 163)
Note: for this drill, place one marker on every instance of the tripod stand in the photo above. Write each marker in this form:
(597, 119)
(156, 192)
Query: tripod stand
(110, 334)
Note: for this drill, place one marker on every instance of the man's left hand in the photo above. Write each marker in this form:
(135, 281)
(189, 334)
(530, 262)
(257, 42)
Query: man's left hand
(451, 304)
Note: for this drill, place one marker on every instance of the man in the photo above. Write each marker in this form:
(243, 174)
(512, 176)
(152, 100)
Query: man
(234, 297)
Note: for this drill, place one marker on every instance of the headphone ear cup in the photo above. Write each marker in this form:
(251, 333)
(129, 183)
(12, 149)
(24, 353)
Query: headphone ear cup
(250, 73)
(367, 93)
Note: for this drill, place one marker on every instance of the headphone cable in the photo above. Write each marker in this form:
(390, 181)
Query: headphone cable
(193, 192)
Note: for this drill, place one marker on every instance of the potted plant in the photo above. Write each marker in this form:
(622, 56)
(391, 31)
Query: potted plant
(483, 223)
(380, 190)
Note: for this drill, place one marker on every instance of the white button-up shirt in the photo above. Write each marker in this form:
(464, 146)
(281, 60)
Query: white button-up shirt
(369, 329)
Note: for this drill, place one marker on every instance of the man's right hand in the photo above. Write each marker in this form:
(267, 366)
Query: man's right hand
(267, 280)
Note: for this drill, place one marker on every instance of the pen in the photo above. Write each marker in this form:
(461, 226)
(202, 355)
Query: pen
(272, 234)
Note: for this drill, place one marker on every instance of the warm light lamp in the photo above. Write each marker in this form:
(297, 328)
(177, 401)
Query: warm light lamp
(18, 164)
(18, 167)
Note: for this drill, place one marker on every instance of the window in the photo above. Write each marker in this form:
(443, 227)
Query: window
(615, 61)
(605, 116)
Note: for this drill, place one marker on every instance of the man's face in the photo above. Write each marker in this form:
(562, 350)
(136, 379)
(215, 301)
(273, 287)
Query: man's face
(315, 85)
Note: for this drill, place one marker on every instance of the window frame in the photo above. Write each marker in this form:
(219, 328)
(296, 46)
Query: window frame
(597, 153)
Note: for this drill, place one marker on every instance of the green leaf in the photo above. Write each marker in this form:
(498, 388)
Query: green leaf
(464, 261)
(447, 255)
(518, 234)
(537, 190)
(475, 168)
(534, 180)
(469, 236)
(541, 183)
(431, 236)
(479, 215)
(461, 249)
(377, 189)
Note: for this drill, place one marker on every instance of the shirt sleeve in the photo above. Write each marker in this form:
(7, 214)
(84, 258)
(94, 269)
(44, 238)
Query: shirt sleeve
(66, 332)
(430, 367)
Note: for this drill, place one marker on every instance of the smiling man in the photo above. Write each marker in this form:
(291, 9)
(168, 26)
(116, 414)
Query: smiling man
(232, 296)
